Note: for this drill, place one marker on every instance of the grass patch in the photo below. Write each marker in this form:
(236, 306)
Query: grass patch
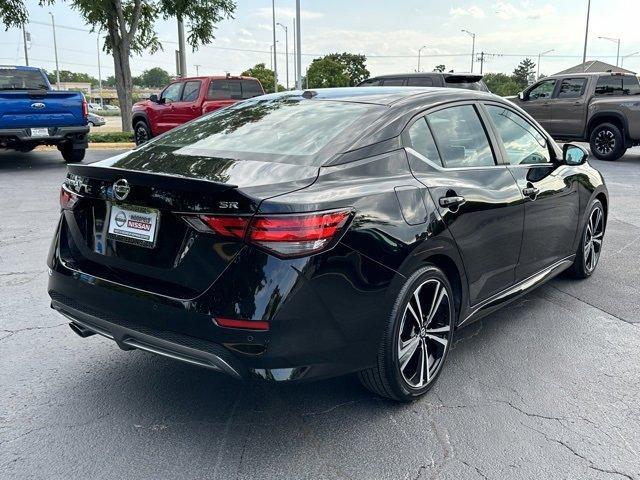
(111, 137)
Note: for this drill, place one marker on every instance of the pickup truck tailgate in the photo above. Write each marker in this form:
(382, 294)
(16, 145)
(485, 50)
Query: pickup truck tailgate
(25, 109)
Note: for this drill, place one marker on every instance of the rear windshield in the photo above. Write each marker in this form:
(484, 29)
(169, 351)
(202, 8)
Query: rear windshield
(14, 79)
(234, 89)
(455, 83)
(281, 129)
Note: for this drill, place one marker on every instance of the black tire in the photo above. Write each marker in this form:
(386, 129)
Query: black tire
(586, 259)
(386, 378)
(607, 142)
(72, 155)
(91, 124)
(142, 132)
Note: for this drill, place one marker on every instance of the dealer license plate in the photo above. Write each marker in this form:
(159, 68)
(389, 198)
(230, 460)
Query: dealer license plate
(133, 224)
(39, 132)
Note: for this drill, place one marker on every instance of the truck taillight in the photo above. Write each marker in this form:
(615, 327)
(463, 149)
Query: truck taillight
(67, 199)
(287, 235)
(85, 109)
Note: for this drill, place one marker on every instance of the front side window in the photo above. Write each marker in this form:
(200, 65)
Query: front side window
(224, 90)
(393, 82)
(191, 91)
(542, 90)
(420, 82)
(571, 87)
(172, 93)
(372, 82)
(523, 143)
(422, 141)
(461, 137)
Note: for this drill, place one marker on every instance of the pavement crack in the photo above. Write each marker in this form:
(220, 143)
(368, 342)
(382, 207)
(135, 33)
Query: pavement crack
(478, 471)
(328, 410)
(10, 333)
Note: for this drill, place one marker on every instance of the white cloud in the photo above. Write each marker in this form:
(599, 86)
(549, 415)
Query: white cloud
(288, 13)
(509, 11)
(471, 11)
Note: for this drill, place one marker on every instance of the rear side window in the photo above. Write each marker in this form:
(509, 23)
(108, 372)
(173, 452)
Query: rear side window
(571, 87)
(224, 90)
(14, 79)
(461, 138)
(420, 82)
(191, 91)
(617, 85)
(172, 92)
(422, 141)
(523, 143)
(393, 82)
(251, 88)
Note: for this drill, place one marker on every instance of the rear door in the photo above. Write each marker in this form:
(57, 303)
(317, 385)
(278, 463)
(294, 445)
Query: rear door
(450, 152)
(569, 108)
(189, 106)
(537, 102)
(165, 111)
(549, 190)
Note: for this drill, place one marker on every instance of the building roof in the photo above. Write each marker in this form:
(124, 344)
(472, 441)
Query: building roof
(593, 66)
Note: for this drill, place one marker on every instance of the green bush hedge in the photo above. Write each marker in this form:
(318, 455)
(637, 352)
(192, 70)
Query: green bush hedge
(111, 137)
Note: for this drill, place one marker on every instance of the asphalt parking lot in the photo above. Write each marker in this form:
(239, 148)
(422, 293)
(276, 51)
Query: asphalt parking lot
(547, 388)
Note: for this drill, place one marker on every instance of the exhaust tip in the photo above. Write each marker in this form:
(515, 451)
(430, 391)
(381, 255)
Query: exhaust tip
(81, 331)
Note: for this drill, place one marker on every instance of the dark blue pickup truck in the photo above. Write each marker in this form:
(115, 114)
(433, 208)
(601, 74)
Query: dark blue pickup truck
(32, 114)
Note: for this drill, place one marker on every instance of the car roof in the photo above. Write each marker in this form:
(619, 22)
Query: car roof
(426, 74)
(21, 67)
(590, 74)
(215, 77)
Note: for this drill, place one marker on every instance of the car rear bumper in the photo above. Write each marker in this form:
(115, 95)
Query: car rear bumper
(20, 136)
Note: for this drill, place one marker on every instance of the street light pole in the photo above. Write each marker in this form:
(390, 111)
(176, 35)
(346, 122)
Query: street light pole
(99, 71)
(473, 46)
(275, 54)
(295, 57)
(181, 48)
(286, 50)
(55, 51)
(616, 41)
(26, 52)
(298, 47)
(586, 33)
(197, 69)
(540, 55)
(419, 53)
(627, 56)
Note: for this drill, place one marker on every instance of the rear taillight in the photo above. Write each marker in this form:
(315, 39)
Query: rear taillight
(289, 236)
(85, 109)
(67, 199)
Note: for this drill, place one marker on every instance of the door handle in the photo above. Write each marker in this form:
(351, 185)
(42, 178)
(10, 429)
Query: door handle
(531, 192)
(452, 203)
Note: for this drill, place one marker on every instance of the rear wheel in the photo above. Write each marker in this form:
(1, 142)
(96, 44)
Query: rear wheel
(141, 132)
(417, 338)
(72, 155)
(607, 142)
(590, 247)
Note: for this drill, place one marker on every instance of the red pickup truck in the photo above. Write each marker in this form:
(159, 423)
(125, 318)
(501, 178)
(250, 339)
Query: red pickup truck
(186, 99)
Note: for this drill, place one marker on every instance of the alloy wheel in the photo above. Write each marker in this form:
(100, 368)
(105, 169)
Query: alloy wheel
(593, 239)
(142, 135)
(425, 333)
(605, 142)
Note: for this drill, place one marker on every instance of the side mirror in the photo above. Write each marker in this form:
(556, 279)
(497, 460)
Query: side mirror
(522, 96)
(574, 154)
(154, 98)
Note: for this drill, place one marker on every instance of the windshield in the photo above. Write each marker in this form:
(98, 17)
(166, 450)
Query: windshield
(283, 129)
(14, 79)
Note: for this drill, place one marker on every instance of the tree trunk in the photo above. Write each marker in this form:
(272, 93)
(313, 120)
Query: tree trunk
(124, 82)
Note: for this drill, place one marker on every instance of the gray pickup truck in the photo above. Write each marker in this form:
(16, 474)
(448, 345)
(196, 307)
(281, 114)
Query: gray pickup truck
(600, 108)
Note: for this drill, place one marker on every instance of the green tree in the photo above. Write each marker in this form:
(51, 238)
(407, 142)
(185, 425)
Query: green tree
(130, 28)
(440, 68)
(68, 76)
(325, 72)
(354, 65)
(501, 84)
(154, 77)
(264, 75)
(523, 72)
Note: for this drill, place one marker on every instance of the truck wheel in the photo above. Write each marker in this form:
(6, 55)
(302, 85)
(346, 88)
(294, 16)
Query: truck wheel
(606, 142)
(141, 132)
(72, 155)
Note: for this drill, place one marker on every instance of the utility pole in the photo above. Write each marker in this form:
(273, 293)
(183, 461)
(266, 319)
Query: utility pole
(295, 57)
(419, 53)
(586, 33)
(99, 71)
(55, 50)
(473, 46)
(271, 57)
(26, 51)
(481, 60)
(298, 47)
(275, 51)
(540, 55)
(197, 69)
(286, 50)
(181, 49)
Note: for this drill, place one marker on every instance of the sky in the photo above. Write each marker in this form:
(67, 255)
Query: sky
(390, 33)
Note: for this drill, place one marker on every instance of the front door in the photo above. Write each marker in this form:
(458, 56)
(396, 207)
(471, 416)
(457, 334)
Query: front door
(165, 111)
(537, 102)
(569, 108)
(549, 191)
(478, 200)
(188, 108)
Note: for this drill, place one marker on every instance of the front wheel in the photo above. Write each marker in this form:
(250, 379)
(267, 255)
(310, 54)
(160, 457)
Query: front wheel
(72, 155)
(417, 338)
(606, 142)
(141, 132)
(590, 246)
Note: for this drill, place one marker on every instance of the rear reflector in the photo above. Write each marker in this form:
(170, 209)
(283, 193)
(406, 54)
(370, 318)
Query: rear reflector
(67, 199)
(285, 235)
(243, 324)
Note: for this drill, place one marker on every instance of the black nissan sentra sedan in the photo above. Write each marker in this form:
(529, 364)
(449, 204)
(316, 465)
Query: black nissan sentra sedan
(304, 235)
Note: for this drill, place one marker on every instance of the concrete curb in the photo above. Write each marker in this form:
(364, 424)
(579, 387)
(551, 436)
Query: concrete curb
(97, 146)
